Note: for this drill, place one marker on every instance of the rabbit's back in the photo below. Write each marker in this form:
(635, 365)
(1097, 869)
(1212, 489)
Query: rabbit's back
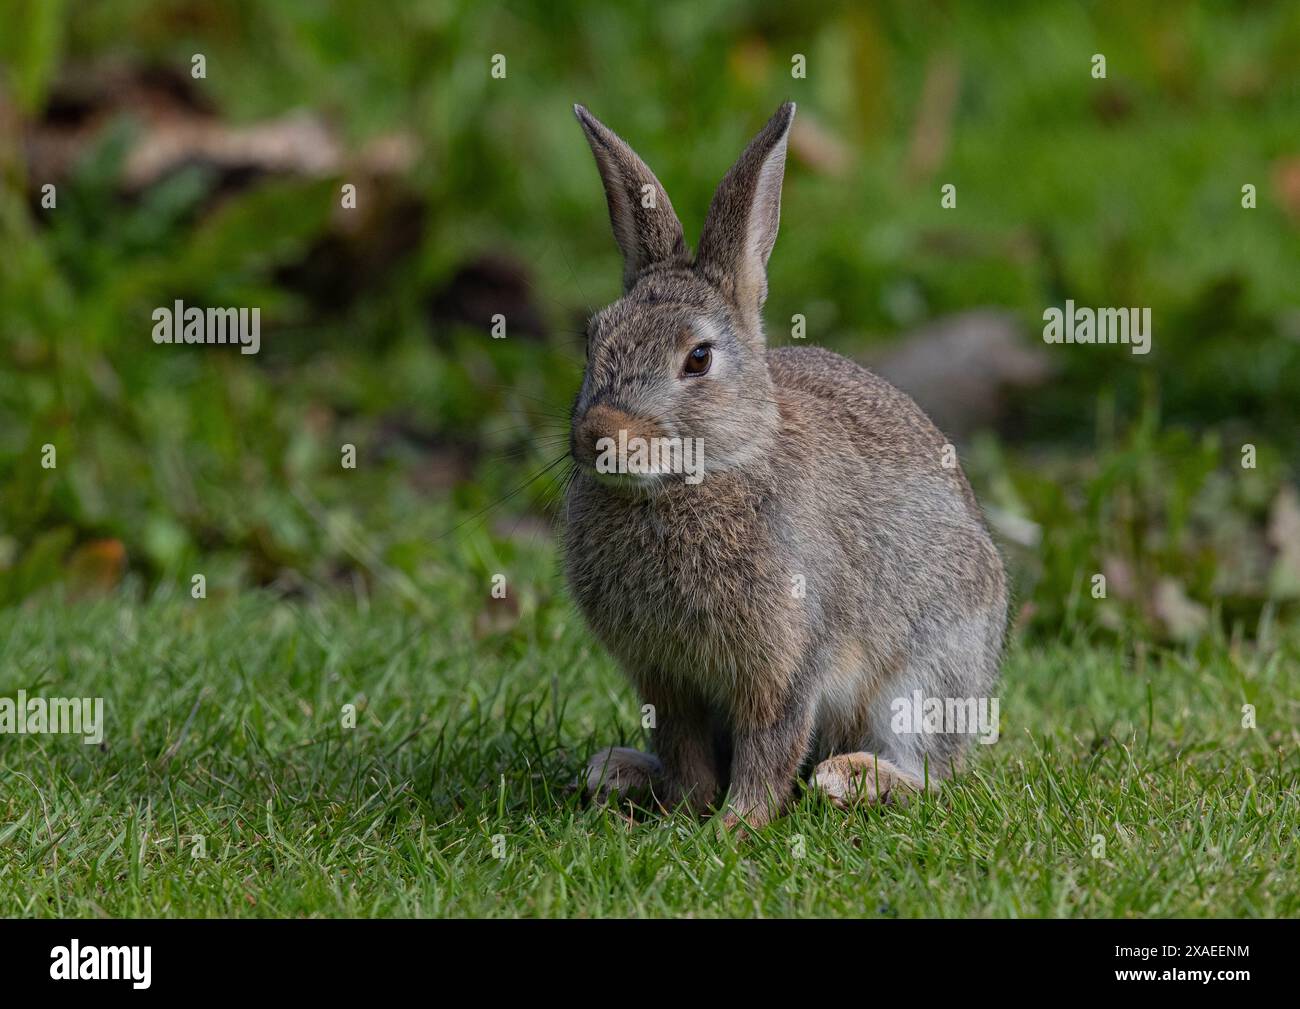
(887, 420)
(867, 463)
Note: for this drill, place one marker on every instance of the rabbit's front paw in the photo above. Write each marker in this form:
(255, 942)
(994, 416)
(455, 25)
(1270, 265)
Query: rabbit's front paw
(849, 778)
(729, 824)
(622, 772)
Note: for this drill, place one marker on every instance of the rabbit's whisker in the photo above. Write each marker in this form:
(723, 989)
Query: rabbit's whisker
(496, 504)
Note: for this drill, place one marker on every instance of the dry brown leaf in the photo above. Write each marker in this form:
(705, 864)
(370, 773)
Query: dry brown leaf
(817, 147)
(1182, 618)
(1286, 180)
(1284, 537)
(95, 568)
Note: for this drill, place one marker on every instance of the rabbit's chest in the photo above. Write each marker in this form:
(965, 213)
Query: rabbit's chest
(693, 596)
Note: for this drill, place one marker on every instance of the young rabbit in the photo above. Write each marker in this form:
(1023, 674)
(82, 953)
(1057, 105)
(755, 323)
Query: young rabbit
(828, 558)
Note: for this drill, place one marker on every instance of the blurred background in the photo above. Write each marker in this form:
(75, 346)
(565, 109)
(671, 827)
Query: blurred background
(476, 195)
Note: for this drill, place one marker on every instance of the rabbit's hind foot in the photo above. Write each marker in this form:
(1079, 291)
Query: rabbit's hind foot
(847, 779)
(620, 772)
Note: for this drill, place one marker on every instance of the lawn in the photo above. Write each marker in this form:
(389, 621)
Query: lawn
(1121, 785)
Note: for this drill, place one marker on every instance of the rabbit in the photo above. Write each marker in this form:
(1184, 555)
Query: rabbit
(831, 559)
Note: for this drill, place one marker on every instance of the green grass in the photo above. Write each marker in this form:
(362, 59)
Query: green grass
(223, 720)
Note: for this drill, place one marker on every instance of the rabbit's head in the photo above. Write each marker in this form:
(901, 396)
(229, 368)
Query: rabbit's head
(681, 355)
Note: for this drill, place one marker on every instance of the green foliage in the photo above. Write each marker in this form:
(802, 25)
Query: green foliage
(30, 48)
(1117, 191)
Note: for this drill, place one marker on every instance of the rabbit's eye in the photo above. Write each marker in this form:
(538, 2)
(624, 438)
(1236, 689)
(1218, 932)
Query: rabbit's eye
(698, 360)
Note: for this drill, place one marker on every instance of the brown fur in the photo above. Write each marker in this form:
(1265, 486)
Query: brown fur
(814, 467)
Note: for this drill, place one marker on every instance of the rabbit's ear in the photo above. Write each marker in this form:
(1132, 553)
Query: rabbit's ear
(741, 226)
(645, 225)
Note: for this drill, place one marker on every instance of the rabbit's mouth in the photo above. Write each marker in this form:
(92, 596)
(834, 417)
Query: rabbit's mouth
(638, 463)
(631, 484)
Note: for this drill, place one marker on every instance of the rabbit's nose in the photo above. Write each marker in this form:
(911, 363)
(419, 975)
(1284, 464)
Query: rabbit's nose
(604, 421)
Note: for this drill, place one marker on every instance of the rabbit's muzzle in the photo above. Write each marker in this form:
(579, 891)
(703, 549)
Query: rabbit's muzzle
(602, 421)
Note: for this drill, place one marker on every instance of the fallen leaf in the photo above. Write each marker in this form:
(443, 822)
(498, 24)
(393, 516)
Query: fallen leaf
(1182, 618)
(95, 568)
(1286, 180)
(817, 147)
(497, 616)
(1284, 536)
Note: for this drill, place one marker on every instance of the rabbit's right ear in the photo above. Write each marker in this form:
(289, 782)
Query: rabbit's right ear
(645, 225)
(743, 218)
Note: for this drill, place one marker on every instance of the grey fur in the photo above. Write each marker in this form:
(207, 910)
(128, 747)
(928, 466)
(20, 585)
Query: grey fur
(815, 467)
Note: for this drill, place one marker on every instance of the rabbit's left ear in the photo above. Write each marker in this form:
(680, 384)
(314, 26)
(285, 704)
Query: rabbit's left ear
(743, 218)
(645, 225)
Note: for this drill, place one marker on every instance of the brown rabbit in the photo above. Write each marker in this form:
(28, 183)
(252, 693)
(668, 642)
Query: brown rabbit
(828, 559)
